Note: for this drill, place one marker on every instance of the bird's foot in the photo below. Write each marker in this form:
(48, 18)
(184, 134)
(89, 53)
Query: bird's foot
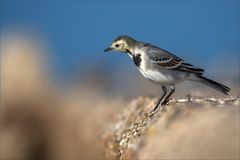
(165, 103)
(161, 107)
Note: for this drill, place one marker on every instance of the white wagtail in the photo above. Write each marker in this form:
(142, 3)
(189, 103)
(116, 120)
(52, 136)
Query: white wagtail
(161, 66)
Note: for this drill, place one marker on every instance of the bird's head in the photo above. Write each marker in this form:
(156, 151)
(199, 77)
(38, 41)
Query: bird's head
(122, 44)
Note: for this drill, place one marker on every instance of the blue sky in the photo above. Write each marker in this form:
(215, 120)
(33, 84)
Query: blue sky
(78, 31)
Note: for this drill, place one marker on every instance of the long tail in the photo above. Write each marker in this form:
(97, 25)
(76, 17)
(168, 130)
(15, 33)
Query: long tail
(219, 87)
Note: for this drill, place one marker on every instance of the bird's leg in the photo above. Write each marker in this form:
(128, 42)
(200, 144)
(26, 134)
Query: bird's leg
(164, 89)
(167, 98)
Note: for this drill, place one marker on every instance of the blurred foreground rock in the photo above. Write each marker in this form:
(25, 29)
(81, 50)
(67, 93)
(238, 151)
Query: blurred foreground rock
(190, 128)
(41, 120)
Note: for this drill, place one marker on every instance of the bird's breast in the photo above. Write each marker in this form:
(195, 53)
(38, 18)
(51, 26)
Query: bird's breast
(137, 60)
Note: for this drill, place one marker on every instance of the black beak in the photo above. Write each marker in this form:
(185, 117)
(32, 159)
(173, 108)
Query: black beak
(108, 49)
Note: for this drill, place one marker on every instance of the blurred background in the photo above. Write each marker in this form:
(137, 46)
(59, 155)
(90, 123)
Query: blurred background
(59, 89)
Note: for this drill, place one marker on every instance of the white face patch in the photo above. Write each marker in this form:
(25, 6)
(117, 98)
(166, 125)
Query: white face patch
(119, 42)
(120, 45)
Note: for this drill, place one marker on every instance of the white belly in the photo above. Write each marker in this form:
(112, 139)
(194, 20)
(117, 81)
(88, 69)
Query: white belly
(157, 77)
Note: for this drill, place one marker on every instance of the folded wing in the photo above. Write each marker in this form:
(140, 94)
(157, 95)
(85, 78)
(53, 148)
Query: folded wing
(167, 60)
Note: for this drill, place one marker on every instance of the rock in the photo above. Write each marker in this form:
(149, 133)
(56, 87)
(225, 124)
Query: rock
(195, 128)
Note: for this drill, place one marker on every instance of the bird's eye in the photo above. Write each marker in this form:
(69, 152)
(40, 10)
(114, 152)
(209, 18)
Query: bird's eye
(117, 45)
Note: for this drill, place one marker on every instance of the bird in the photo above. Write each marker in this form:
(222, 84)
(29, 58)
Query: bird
(161, 67)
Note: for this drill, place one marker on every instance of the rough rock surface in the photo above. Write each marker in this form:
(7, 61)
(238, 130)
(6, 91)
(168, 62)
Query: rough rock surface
(189, 128)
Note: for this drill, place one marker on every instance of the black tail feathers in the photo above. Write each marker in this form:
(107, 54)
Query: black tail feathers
(219, 87)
